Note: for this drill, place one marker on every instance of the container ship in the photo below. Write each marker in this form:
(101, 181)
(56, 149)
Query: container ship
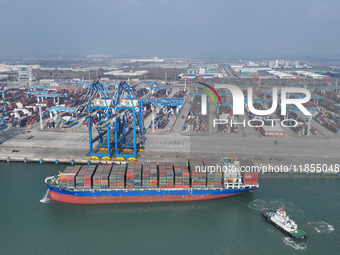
(150, 182)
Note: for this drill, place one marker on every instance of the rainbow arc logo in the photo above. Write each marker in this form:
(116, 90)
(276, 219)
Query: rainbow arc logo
(204, 97)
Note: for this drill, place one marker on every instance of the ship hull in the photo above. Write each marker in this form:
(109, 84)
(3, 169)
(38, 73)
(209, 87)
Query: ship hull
(138, 196)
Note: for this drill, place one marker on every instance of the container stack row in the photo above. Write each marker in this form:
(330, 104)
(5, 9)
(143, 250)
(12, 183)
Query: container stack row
(105, 176)
(68, 177)
(163, 117)
(84, 177)
(146, 176)
(196, 122)
(153, 176)
(180, 93)
(198, 174)
(141, 92)
(160, 93)
(182, 177)
(214, 175)
(250, 173)
(149, 176)
(117, 177)
(63, 177)
(101, 177)
(166, 175)
(134, 176)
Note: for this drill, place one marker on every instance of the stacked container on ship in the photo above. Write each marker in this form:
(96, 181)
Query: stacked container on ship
(166, 176)
(149, 176)
(67, 178)
(117, 177)
(134, 176)
(182, 177)
(84, 177)
(214, 177)
(198, 174)
(249, 172)
(150, 182)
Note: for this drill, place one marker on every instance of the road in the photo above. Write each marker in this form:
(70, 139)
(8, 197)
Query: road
(178, 126)
(243, 145)
(226, 71)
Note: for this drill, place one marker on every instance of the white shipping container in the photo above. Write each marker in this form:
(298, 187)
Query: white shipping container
(19, 105)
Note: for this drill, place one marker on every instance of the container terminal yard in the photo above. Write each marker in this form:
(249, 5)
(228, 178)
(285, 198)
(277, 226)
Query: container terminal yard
(151, 111)
(172, 127)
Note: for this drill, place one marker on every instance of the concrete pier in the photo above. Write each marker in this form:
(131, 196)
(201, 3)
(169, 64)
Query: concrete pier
(58, 160)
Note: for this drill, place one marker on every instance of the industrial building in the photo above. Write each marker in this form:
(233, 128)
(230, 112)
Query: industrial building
(154, 59)
(25, 74)
(205, 71)
(281, 75)
(310, 74)
(121, 73)
(250, 69)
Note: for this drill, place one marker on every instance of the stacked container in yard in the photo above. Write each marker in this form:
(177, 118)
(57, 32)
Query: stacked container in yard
(196, 122)
(133, 176)
(198, 174)
(163, 117)
(117, 177)
(147, 109)
(180, 93)
(182, 179)
(141, 92)
(68, 177)
(166, 175)
(214, 174)
(83, 178)
(249, 172)
(160, 93)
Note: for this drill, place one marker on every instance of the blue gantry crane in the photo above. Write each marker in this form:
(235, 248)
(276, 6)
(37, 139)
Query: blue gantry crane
(118, 120)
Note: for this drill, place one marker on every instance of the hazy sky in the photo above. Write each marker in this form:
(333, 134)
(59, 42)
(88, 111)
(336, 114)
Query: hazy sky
(166, 28)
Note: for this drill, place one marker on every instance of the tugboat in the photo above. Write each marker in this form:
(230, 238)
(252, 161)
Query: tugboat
(280, 220)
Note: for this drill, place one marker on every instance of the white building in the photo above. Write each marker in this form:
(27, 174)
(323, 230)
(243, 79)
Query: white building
(47, 68)
(281, 75)
(310, 74)
(65, 68)
(250, 69)
(154, 59)
(121, 73)
(25, 73)
(3, 76)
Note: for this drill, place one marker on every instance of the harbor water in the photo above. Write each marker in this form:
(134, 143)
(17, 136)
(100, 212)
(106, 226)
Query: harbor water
(33, 224)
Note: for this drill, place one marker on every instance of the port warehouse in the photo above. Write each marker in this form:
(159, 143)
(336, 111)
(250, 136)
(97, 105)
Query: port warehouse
(151, 175)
